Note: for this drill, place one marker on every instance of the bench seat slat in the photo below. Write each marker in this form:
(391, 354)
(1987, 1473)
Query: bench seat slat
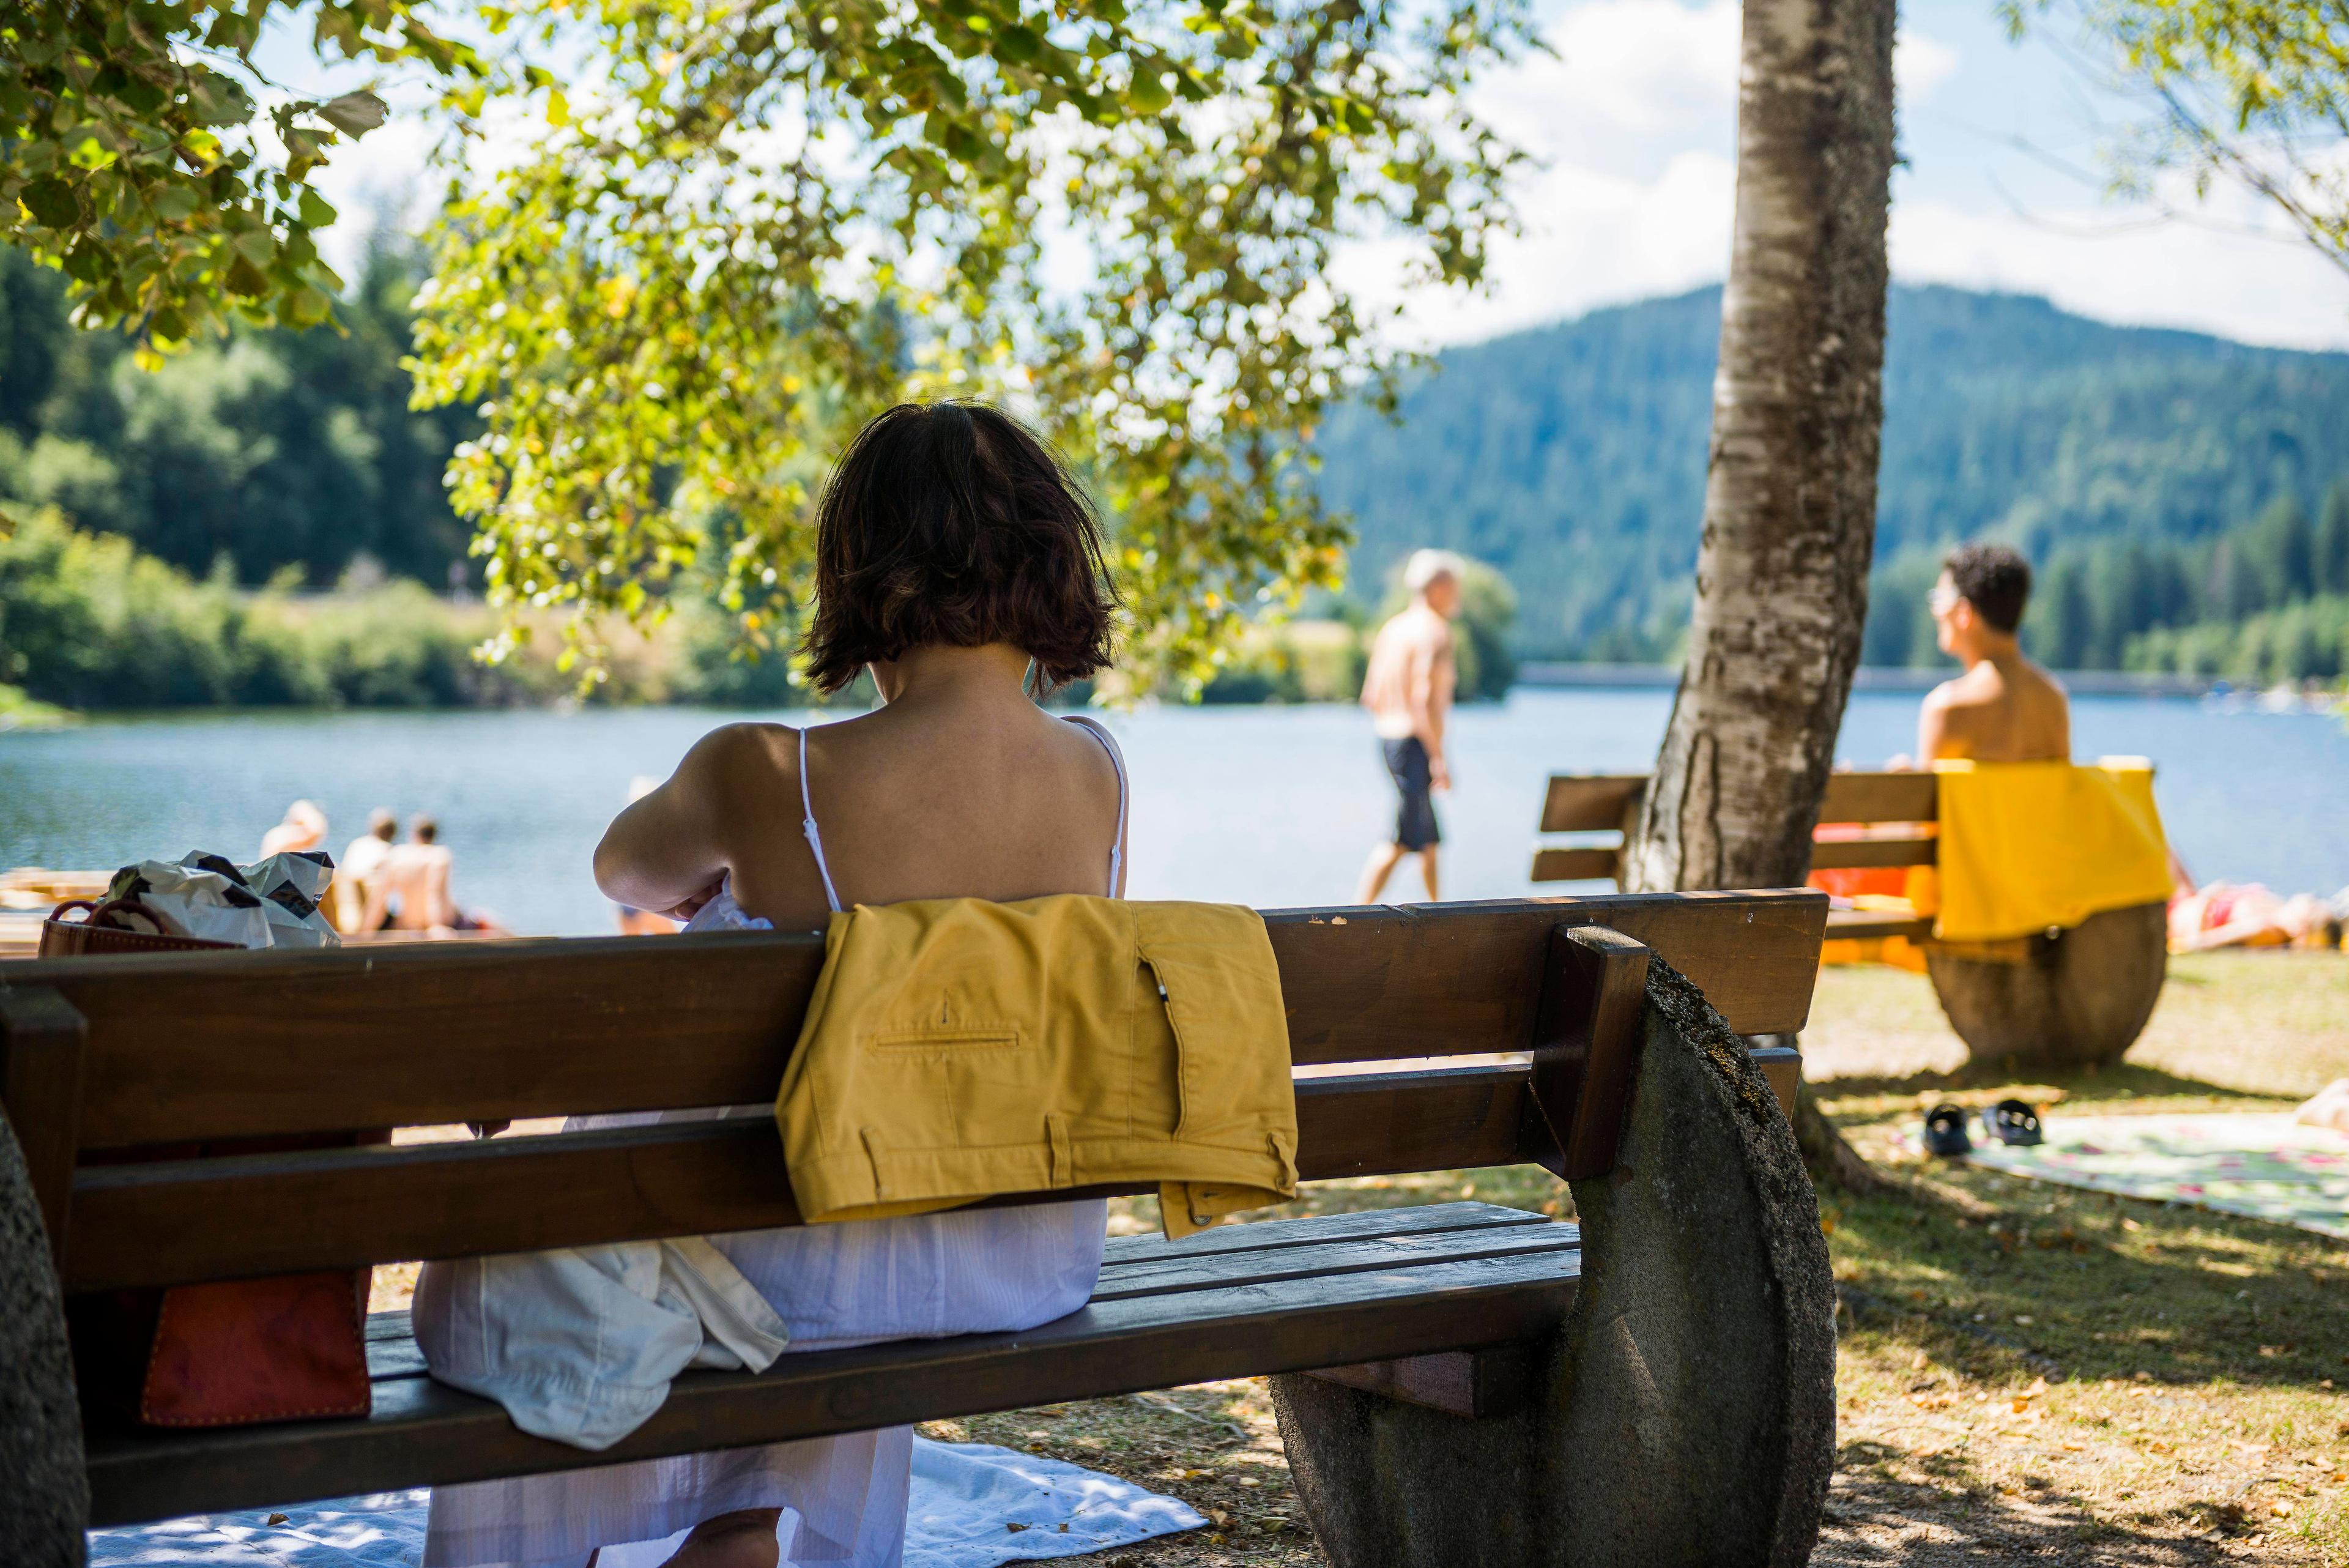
(167, 1223)
(423, 1433)
(254, 1044)
(1265, 1252)
(1170, 1277)
(1313, 1230)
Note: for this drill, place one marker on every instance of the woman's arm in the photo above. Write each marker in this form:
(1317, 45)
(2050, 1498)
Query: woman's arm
(669, 851)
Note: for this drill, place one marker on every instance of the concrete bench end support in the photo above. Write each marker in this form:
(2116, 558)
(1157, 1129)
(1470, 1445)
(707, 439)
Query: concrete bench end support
(1685, 1415)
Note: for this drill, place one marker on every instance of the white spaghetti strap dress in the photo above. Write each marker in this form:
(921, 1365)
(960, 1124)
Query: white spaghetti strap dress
(928, 1276)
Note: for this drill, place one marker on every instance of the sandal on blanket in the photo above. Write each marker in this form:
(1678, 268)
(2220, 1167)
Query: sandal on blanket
(2012, 1122)
(1945, 1132)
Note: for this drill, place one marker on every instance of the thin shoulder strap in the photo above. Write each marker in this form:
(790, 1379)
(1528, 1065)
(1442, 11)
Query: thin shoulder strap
(1099, 732)
(807, 825)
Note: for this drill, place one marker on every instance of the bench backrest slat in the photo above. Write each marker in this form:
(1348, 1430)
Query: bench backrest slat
(263, 1214)
(1590, 802)
(1881, 797)
(239, 1045)
(1605, 803)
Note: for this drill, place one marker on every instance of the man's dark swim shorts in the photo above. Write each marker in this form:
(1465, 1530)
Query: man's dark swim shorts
(1415, 823)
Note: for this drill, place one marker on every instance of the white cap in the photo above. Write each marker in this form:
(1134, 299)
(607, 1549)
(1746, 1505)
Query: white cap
(1425, 567)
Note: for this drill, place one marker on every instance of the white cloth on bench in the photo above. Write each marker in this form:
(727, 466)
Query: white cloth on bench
(580, 1343)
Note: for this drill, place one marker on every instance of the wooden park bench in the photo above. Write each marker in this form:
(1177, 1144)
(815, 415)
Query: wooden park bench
(1663, 1370)
(2075, 996)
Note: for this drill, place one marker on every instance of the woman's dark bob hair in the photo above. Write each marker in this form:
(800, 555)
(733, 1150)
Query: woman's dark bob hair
(950, 523)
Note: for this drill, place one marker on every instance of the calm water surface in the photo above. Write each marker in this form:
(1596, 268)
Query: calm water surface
(1259, 805)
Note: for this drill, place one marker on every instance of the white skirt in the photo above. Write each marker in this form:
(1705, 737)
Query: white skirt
(928, 1276)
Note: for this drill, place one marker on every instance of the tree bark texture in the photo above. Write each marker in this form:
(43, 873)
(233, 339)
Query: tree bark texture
(44, 1487)
(1790, 491)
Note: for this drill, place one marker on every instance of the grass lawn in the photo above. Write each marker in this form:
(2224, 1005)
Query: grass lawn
(2028, 1373)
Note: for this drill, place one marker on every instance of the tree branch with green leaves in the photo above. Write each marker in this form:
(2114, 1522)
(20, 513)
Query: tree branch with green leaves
(748, 226)
(144, 152)
(2253, 92)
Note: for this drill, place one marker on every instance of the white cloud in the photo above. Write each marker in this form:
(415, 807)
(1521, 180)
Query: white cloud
(1921, 63)
(1590, 238)
(1650, 66)
(1633, 122)
(2224, 266)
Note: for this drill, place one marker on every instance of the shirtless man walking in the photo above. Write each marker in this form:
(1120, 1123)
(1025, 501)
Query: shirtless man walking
(2004, 709)
(1408, 690)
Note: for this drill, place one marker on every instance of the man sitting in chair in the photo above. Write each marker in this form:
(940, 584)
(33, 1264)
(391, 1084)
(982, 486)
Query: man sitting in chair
(2005, 708)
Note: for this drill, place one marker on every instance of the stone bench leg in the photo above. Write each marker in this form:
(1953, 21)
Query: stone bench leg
(2080, 996)
(1685, 1415)
(43, 1488)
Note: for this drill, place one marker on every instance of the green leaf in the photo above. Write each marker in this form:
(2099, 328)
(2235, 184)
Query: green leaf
(316, 211)
(173, 205)
(354, 113)
(52, 202)
(1148, 94)
(1019, 44)
(245, 281)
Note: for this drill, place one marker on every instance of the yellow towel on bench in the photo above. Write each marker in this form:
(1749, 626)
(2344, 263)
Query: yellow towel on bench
(956, 1049)
(2030, 847)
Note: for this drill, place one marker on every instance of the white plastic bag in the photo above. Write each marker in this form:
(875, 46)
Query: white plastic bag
(273, 903)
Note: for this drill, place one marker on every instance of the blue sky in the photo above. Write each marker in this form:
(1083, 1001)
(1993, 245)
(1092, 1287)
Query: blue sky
(1635, 123)
(2004, 185)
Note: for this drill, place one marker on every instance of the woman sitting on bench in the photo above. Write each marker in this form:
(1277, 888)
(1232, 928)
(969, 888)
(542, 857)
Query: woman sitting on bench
(958, 562)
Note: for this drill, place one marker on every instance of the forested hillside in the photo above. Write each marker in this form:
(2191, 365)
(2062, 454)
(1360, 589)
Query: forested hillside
(2178, 491)
(1573, 457)
(275, 450)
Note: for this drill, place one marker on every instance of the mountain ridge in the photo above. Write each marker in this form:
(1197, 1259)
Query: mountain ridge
(1572, 456)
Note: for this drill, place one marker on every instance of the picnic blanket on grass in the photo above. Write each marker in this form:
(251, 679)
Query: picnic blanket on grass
(2268, 1166)
(974, 1506)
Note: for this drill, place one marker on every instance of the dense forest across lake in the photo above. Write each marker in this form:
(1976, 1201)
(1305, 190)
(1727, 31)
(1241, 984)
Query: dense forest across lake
(2181, 494)
(2159, 478)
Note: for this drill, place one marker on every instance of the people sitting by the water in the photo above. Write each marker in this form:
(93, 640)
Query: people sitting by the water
(956, 561)
(2329, 1107)
(2251, 914)
(303, 827)
(1408, 689)
(411, 890)
(2005, 708)
(355, 871)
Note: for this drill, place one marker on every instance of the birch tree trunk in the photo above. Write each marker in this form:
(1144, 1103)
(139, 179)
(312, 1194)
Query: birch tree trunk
(1790, 491)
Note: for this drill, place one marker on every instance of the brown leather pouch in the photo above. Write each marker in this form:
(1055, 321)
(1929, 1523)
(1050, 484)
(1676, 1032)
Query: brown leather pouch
(281, 1349)
(285, 1348)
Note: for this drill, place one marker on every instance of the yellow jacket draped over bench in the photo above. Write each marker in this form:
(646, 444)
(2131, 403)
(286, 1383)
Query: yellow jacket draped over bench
(957, 1049)
(2032, 846)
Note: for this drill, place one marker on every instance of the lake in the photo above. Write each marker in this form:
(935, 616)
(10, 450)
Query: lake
(1259, 805)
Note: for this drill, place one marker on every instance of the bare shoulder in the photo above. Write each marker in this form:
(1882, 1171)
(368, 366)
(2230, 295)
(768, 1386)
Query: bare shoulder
(743, 755)
(1097, 747)
(1978, 688)
(2046, 679)
(1421, 630)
